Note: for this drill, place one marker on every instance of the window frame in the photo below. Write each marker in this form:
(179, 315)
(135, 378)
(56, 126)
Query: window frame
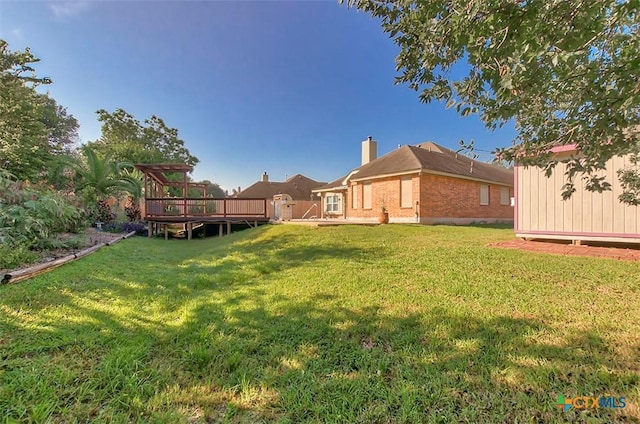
(333, 206)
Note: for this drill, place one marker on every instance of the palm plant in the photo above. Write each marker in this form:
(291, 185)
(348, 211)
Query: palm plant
(99, 177)
(96, 178)
(132, 179)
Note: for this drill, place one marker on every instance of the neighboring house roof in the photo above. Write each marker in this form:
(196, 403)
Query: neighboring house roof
(298, 187)
(426, 157)
(340, 183)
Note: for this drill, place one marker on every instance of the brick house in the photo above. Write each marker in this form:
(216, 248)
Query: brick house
(290, 199)
(426, 183)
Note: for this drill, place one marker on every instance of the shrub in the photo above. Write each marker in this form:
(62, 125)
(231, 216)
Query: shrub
(12, 256)
(101, 212)
(126, 227)
(30, 217)
(140, 229)
(36, 219)
(132, 210)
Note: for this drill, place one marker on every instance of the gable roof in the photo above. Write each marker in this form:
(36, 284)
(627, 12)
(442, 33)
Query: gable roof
(427, 157)
(339, 183)
(298, 187)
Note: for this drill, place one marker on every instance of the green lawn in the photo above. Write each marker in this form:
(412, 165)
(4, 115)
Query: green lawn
(393, 323)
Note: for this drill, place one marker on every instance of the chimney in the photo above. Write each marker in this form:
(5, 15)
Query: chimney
(369, 150)
(265, 177)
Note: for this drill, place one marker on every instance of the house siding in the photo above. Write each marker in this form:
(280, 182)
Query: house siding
(541, 212)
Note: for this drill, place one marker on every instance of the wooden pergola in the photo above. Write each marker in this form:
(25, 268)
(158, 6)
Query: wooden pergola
(162, 209)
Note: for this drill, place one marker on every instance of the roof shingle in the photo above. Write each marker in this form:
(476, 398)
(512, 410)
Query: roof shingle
(428, 156)
(298, 187)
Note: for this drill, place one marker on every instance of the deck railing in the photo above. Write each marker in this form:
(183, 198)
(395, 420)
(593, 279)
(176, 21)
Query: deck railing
(195, 207)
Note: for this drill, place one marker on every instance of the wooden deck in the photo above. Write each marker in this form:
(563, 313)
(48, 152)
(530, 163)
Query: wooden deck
(162, 212)
(206, 209)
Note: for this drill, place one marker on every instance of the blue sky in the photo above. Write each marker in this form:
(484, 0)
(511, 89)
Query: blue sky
(284, 87)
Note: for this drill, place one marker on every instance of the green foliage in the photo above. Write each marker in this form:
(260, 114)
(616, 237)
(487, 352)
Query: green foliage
(101, 212)
(95, 177)
(31, 216)
(127, 140)
(37, 219)
(33, 127)
(133, 212)
(565, 72)
(126, 227)
(13, 255)
(213, 190)
(62, 127)
(630, 178)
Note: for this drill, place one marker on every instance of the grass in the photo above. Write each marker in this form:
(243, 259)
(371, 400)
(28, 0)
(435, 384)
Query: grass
(290, 324)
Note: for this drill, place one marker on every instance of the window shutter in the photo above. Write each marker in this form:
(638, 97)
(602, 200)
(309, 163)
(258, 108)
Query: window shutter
(366, 196)
(484, 194)
(406, 192)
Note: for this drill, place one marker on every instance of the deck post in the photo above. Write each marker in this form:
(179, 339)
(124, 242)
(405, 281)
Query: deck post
(189, 230)
(166, 232)
(185, 191)
(228, 227)
(220, 230)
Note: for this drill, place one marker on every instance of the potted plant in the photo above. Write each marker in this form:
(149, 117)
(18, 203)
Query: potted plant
(383, 217)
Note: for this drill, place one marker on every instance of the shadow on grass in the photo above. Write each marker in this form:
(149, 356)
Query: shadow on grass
(210, 344)
(497, 226)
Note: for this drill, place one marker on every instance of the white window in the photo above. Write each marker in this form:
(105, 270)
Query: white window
(484, 194)
(333, 203)
(504, 196)
(406, 192)
(354, 196)
(366, 196)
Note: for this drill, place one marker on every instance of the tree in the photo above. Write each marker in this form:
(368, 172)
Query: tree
(214, 189)
(62, 127)
(566, 72)
(126, 139)
(22, 134)
(33, 127)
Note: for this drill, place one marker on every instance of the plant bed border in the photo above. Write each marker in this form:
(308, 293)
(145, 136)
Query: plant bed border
(30, 272)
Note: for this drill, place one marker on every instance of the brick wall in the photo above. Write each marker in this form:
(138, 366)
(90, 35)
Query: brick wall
(440, 199)
(444, 197)
(384, 191)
